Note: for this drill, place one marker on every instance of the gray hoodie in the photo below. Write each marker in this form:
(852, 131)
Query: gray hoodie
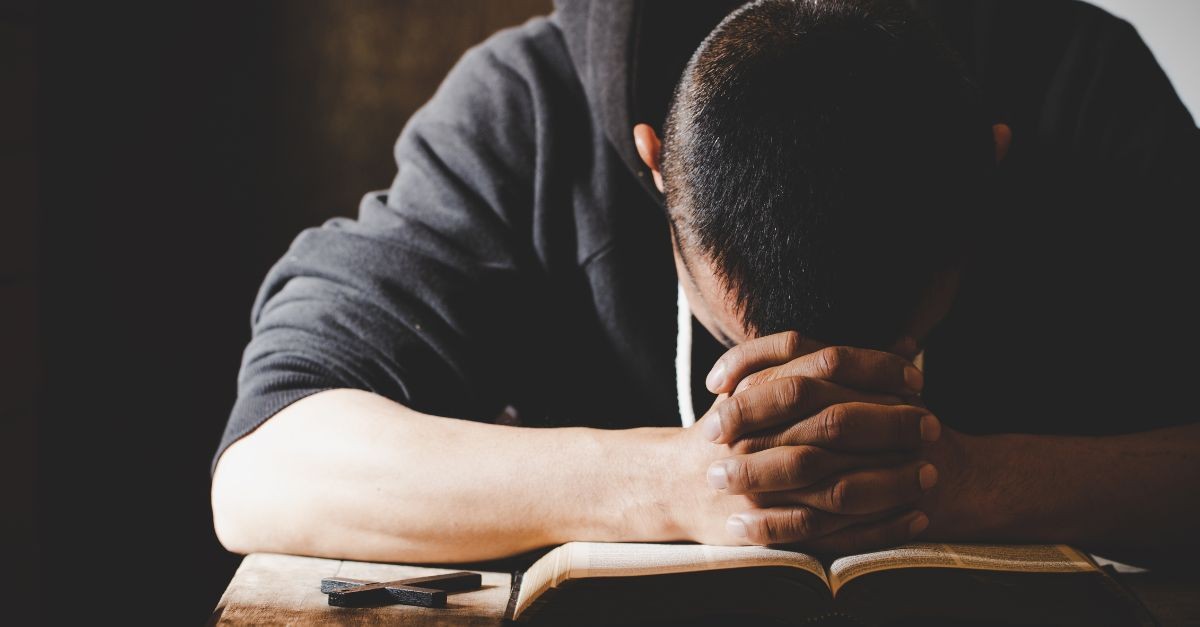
(520, 264)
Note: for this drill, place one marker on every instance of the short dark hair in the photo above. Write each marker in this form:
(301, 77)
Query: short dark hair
(828, 157)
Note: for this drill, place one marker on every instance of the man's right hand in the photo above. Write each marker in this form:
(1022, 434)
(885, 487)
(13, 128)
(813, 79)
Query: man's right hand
(816, 446)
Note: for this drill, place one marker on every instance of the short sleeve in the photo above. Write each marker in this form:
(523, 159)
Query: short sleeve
(416, 299)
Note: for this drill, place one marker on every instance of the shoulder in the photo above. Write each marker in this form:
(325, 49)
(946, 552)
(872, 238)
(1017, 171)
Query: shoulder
(536, 45)
(1075, 23)
(531, 58)
(1023, 29)
(502, 90)
(1033, 58)
(1033, 16)
(1053, 27)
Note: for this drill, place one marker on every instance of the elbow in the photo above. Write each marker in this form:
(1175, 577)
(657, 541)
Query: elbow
(243, 510)
(234, 539)
(229, 520)
(254, 507)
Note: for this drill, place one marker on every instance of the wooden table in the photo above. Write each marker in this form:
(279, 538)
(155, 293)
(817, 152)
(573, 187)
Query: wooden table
(271, 589)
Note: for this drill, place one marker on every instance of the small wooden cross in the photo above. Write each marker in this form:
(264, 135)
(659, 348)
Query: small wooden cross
(422, 591)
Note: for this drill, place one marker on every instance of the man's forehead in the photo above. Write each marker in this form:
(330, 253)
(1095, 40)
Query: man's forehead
(716, 301)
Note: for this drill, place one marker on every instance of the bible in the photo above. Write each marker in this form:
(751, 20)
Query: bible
(917, 584)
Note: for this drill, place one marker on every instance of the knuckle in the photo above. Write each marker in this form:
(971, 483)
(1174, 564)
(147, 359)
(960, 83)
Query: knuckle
(839, 496)
(730, 412)
(834, 422)
(802, 524)
(790, 342)
(789, 471)
(802, 468)
(734, 358)
(764, 530)
(831, 361)
(743, 477)
(792, 390)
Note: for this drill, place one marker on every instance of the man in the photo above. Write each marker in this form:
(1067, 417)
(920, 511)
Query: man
(841, 185)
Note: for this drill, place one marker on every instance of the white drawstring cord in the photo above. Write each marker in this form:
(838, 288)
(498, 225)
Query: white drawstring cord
(683, 361)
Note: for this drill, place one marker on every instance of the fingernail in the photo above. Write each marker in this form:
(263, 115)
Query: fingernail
(931, 429)
(716, 377)
(928, 476)
(712, 427)
(718, 478)
(913, 378)
(918, 524)
(736, 527)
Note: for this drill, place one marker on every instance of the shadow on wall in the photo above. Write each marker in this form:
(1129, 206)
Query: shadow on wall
(181, 147)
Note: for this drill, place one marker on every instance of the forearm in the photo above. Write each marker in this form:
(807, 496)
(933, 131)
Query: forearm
(1131, 496)
(352, 475)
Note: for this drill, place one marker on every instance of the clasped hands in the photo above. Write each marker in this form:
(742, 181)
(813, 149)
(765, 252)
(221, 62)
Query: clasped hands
(825, 448)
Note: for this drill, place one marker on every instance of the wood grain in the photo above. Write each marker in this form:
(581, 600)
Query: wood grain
(273, 589)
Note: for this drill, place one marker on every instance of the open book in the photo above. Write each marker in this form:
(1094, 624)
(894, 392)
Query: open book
(959, 584)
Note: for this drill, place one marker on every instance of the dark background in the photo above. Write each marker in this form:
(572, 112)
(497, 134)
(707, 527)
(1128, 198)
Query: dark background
(155, 160)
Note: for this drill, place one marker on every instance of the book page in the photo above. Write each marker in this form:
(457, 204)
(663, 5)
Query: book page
(1034, 558)
(614, 559)
(549, 571)
(580, 560)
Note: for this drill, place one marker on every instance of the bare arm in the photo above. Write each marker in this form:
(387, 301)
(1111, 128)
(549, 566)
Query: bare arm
(349, 474)
(1130, 497)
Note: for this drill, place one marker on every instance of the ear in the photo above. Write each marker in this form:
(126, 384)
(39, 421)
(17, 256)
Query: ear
(649, 148)
(1002, 135)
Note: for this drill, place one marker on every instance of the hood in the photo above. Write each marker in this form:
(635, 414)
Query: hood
(629, 55)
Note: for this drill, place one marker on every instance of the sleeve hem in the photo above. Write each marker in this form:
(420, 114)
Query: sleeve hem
(250, 412)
